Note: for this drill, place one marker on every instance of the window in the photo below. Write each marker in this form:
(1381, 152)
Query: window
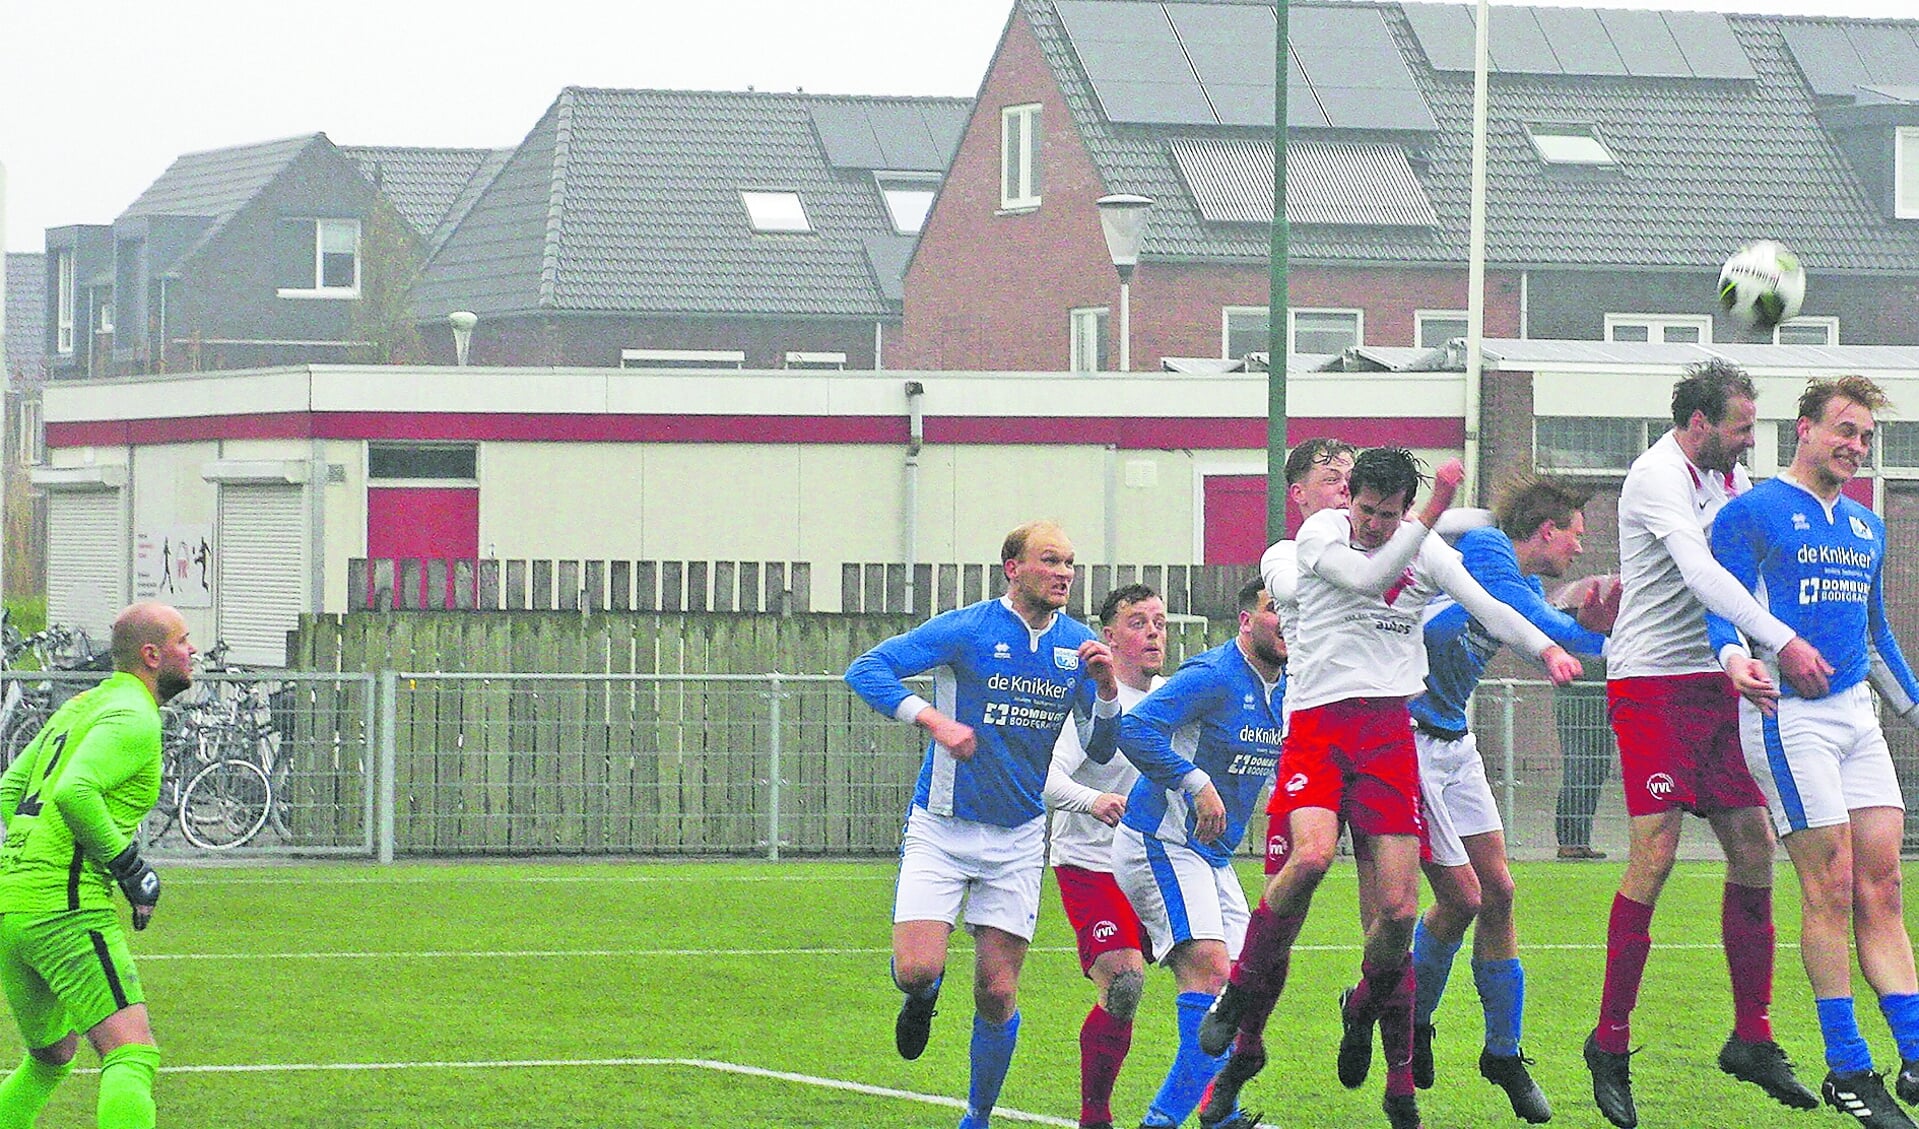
(1565, 443)
(439, 461)
(908, 199)
(1669, 329)
(103, 305)
(1088, 351)
(1325, 331)
(1562, 144)
(1807, 331)
(776, 211)
(1905, 161)
(683, 358)
(1898, 443)
(1019, 157)
(1433, 328)
(1243, 330)
(63, 301)
(320, 259)
(33, 437)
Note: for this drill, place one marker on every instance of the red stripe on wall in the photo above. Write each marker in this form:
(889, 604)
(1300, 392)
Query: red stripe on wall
(1169, 433)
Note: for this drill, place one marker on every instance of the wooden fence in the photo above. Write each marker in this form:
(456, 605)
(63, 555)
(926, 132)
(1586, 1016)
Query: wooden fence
(765, 587)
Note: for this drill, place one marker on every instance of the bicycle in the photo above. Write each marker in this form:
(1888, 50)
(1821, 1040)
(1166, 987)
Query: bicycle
(219, 800)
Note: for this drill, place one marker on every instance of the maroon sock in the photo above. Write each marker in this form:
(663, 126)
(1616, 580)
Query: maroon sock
(1263, 957)
(1376, 982)
(1628, 942)
(1745, 927)
(1395, 1009)
(1252, 1025)
(1103, 1043)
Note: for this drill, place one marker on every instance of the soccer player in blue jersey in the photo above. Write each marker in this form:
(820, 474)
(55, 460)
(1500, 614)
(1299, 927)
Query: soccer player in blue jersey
(1539, 531)
(1205, 744)
(1007, 673)
(1817, 560)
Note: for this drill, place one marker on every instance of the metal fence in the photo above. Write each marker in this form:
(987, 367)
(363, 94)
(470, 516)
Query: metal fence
(767, 765)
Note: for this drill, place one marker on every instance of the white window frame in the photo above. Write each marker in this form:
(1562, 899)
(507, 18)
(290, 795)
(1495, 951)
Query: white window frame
(814, 360)
(318, 289)
(1905, 172)
(33, 434)
(63, 302)
(1226, 315)
(910, 183)
(1081, 340)
(104, 322)
(1659, 323)
(730, 359)
(1292, 326)
(1830, 325)
(1571, 144)
(1018, 127)
(1421, 317)
(768, 223)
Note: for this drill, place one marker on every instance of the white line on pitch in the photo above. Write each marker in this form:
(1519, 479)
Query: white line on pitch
(1001, 1113)
(211, 875)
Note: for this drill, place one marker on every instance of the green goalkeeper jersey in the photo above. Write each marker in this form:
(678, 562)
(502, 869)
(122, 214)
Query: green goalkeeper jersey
(72, 800)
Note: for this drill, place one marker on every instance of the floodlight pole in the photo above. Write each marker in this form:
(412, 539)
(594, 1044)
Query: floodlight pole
(1277, 343)
(1476, 253)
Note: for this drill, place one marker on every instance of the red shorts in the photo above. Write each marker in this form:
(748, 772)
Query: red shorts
(1354, 757)
(1679, 744)
(1103, 920)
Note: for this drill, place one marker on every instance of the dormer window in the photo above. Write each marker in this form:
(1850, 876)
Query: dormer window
(776, 211)
(908, 199)
(1569, 144)
(1905, 159)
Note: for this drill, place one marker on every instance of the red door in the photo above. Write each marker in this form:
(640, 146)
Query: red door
(422, 523)
(1234, 518)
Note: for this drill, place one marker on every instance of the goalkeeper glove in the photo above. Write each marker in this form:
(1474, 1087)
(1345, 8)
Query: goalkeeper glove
(138, 881)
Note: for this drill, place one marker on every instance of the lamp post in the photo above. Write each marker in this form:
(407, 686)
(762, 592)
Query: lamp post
(1123, 218)
(462, 322)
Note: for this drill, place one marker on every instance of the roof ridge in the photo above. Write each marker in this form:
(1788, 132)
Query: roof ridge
(556, 198)
(797, 95)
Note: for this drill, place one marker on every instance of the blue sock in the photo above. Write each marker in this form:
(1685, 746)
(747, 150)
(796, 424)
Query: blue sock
(1432, 964)
(1902, 1015)
(1502, 996)
(1846, 1050)
(992, 1054)
(1192, 1068)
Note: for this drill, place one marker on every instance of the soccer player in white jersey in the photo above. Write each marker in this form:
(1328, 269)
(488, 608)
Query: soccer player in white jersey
(1365, 577)
(1007, 674)
(1817, 560)
(1088, 799)
(1674, 713)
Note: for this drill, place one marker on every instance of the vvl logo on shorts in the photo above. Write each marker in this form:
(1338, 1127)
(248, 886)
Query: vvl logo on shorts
(1295, 783)
(1066, 658)
(1659, 784)
(1104, 930)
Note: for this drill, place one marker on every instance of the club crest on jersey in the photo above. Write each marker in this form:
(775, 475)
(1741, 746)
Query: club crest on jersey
(1800, 524)
(1002, 651)
(1861, 529)
(1066, 658)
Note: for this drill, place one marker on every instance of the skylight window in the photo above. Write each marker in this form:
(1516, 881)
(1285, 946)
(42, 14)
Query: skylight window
(908, 199)
(776, 211)
(1570, 145)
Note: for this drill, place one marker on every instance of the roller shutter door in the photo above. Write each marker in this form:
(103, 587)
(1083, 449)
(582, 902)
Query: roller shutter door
(262, 578)
(87, 560)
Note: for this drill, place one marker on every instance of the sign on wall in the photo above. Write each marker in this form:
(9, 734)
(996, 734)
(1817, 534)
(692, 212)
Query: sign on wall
(174, 565)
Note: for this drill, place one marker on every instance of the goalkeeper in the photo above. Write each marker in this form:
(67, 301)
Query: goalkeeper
(71, 804)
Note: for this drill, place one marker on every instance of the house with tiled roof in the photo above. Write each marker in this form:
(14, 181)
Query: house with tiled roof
(1629, 153)
(26, 318)
(656, 228)
(285, 251)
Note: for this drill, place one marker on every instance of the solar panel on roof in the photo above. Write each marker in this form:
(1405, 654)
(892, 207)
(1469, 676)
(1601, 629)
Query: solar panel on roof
(1889, 53)
(1218, 62)
(1644, 43)
(1356, 71)
(1444, 32)
(1825, 56)
(903, 138)
(1518, 46)
(845, 136)
(1155, 103)
(1710, 47)
(1579, 41)
(1238, 25)
(1252, 105)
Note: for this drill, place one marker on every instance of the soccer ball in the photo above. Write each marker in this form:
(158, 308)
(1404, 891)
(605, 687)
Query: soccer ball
(1762, 285)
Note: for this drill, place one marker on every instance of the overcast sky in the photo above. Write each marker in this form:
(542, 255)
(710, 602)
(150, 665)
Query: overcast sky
(97, 99)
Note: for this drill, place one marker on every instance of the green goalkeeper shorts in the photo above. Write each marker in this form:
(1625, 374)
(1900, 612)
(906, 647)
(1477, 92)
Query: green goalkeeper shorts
(65, 971)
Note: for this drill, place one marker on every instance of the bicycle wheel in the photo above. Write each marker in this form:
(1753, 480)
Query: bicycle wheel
(25, 727)
(225, 804)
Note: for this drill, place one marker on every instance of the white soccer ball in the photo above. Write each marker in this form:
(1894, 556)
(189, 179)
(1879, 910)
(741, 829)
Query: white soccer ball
(1762, 285)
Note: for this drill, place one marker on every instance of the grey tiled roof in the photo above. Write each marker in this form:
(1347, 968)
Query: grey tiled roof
(422, 184)
(628, 201)
(1704, 166)
(26, 315)
(217, 183)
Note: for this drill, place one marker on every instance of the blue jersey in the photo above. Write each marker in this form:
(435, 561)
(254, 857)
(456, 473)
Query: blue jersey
(1216, 715)
(1458, 647)
(1819, 570)
(1014, 685)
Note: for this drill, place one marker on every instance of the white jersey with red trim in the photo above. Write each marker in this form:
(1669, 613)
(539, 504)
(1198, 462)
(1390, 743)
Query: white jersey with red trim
(1661, 628)
(1356, 644)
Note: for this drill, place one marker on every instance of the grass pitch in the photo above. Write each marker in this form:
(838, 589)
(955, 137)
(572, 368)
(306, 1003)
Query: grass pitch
(569, 995)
